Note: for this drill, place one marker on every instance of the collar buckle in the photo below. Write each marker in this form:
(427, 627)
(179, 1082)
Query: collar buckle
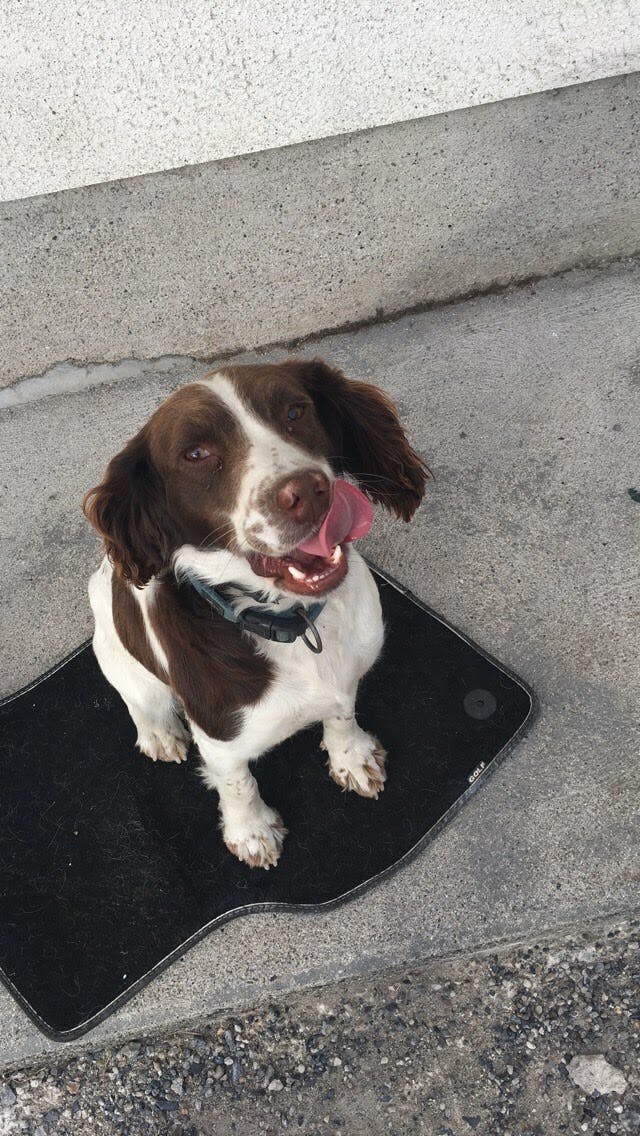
(315, 646)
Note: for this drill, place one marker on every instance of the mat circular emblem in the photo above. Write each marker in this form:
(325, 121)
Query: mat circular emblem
(480, 704)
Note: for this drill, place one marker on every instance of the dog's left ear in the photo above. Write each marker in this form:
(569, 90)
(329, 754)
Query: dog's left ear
(367, 437)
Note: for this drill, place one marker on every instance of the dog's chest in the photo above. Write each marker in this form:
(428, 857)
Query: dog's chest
(307, 686)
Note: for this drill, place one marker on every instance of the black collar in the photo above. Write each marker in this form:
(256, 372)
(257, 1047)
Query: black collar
(280, 627)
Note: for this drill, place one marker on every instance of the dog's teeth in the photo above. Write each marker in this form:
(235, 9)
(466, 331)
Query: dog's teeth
(336, 555)
(296, 573)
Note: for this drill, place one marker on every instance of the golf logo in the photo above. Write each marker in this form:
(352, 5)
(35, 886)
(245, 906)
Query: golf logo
(476, 772)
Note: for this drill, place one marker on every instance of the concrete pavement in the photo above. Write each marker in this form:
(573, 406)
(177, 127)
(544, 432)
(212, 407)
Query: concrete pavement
(526, 406)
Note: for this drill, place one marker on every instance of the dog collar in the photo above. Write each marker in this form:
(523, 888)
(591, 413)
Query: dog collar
(279, 627)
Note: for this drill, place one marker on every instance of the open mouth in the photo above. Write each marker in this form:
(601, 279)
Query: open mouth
(318, 562)
(301, 572)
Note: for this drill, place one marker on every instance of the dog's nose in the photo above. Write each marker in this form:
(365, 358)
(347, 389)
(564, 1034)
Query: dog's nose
(304, 498)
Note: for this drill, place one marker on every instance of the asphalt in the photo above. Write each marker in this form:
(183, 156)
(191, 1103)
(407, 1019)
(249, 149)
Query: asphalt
(536, 1039)
(526, 406)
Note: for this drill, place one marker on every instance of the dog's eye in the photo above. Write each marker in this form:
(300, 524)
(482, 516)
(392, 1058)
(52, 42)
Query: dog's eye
(295, 411)
(197, 454)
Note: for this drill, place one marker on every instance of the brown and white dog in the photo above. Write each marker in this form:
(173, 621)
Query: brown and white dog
(218, 490)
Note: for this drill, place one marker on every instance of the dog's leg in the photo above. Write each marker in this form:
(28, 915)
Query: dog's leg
(251, 830)
(150, 702)
(356, 759)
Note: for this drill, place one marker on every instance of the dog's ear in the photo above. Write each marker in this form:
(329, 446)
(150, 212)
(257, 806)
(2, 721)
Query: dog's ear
(128, 510)
(367, 438)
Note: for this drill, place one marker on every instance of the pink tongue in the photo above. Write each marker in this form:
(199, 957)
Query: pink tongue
(349, 517)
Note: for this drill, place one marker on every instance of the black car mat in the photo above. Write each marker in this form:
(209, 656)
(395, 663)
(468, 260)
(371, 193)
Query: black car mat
(111, 865)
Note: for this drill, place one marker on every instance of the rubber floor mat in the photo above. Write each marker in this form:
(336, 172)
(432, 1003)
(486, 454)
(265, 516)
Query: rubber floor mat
(111, 865)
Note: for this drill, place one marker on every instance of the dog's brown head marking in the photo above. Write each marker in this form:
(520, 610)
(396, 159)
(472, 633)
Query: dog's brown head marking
(244, 459)
(368, 441)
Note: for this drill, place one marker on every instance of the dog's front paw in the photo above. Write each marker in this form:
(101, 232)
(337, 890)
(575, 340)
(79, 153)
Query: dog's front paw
(258, 840)
(164, 745)
(359, 765)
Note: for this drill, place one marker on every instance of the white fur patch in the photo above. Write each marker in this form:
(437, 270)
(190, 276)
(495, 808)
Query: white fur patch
(270, 459)
(146, 598)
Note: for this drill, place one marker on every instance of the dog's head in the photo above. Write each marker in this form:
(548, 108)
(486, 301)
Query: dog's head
(244, 461)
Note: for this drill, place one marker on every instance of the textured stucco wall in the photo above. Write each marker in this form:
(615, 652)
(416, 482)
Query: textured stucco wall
(112, 89)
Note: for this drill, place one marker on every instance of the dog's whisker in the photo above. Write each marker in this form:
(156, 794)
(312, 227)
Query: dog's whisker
(216, 534)
(360, 474)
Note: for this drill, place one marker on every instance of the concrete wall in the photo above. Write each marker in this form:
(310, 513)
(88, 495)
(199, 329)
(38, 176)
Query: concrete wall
(281, 244)
(107, 90)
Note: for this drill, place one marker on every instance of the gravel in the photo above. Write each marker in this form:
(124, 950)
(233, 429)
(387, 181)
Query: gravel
(491, 1044)
(596, 1076)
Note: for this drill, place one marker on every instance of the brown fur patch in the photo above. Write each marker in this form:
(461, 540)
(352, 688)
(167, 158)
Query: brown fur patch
(213, 668)
(201, 494)
(129, 624)
(367, 437)
(128, 510)
(152, 499)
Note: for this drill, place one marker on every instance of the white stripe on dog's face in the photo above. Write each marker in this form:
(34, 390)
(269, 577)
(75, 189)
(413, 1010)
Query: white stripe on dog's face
(270, 459)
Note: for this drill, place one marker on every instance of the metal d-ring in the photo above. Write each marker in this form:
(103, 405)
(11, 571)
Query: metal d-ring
(317, 646)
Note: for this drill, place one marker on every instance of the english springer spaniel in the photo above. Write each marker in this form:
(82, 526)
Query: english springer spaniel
(231, 598)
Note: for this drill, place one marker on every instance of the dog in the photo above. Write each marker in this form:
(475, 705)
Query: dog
(231, 604)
